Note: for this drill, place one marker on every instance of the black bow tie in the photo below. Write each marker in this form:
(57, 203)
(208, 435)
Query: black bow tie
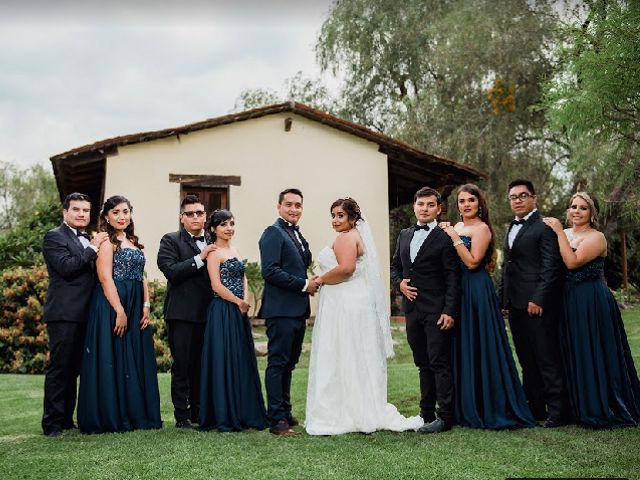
(83, 234)
(517, 222)
(421, 227)
(292, 226)
(198, 239)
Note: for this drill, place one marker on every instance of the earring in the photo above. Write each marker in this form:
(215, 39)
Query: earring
(479, 211)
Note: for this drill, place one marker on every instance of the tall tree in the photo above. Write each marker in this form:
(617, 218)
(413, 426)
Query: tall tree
(299, 88)
(21, 190)
(595, 102)
(457, 78)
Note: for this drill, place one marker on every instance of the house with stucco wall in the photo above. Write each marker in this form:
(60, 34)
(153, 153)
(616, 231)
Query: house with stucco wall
(241, 161)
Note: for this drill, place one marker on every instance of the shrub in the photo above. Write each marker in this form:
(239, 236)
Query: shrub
(23, 334)
(21, 246)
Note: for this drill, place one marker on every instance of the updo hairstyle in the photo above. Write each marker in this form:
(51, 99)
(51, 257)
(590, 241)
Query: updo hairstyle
(217, 217)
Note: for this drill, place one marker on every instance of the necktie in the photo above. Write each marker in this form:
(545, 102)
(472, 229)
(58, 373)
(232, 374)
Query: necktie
(199, 239)
(83, 234)
(421, 227)
(517, 222)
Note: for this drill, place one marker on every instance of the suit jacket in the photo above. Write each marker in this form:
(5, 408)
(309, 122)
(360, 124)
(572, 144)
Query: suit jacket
(532, 267)
(188, 287)
(435, 272)
(72, 276)
(284, 269)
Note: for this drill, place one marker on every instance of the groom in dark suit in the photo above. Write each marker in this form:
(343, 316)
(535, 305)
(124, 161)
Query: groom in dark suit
(70, 257)
(530, 290)
(426, 269)
(285, 258)
(182, 259)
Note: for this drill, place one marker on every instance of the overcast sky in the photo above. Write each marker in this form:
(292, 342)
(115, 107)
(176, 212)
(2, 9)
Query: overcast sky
(74, 72)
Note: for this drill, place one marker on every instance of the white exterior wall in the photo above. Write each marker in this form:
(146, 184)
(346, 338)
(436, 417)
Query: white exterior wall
(323, 162)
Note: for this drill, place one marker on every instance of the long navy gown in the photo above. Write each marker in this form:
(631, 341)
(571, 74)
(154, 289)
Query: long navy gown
(604, 390)
(118, 378)
(488, 391)
(230, 391)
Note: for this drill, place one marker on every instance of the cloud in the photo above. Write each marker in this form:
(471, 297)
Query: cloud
(77, 72)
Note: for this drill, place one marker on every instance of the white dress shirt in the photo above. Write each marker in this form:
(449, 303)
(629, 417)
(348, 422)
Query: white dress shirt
(514, 230)
(419, 236)
(83, 240)
(201, 245)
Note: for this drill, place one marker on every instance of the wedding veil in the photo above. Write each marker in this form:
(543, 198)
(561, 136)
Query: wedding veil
(376, 283)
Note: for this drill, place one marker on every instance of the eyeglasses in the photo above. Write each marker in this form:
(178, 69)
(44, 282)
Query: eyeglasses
(521, 196)
(197, 213)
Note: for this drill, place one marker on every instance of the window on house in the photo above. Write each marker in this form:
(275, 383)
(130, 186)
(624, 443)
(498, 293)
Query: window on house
(211, 198)
(212, 190)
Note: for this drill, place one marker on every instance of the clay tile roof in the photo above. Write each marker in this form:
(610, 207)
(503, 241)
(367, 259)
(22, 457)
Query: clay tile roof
(293, 107)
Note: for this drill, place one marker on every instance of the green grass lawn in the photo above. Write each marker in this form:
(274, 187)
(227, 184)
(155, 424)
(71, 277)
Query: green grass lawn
(171, 453)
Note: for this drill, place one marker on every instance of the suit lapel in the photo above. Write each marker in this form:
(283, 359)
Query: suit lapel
(188, 239)
(290, 236)
(430, 238)
(72, 236)
(524, 228)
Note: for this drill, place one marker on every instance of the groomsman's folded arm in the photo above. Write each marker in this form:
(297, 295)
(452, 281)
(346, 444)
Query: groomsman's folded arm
(62, 260)
(169, 263)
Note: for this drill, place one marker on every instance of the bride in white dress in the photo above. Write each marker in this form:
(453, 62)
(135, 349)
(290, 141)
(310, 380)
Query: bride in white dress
(351, 340)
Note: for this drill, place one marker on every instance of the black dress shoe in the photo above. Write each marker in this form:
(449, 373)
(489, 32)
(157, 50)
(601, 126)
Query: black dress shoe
(554, 422)
(282, 429)
(293, 421)
(437, 426)
(186, 423)
(428, 417)
(53, 433)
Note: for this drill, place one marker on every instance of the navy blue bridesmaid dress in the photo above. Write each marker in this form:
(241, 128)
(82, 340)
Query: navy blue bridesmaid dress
(230, 391)
(118, 378)
(488, 391)
(604, 390)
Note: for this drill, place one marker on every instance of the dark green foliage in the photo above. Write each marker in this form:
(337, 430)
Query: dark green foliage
(253, 273)
(21, 246)
(23, 334)
(594, 102)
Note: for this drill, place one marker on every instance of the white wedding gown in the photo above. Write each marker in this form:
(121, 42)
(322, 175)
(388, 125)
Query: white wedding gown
(347, 389)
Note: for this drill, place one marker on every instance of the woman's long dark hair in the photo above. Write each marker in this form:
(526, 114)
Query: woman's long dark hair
(104, 226)
(483, 214)
(217, 217)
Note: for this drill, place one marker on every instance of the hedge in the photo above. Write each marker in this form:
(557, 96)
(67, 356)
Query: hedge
(23, 335)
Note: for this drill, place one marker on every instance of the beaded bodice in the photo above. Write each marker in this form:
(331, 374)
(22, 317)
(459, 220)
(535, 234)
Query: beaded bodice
(594, 270)
(128, 264)
(232, 276)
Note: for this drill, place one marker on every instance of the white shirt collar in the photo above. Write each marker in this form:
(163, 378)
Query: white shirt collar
(526, 217)
(432, 224)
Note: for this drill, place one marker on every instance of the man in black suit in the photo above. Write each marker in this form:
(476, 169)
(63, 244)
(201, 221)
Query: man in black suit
(285, 258)
(70, 258)
(182, 259)
(530, 290)
(426, 270)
